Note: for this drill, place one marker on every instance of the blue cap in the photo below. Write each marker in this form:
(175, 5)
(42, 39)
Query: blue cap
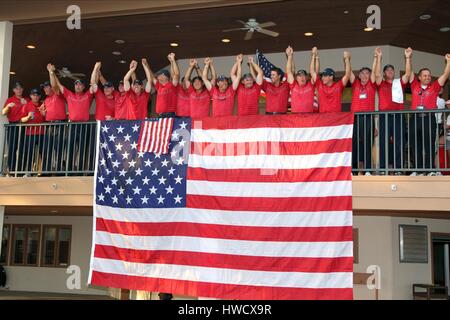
(388, 66)
(164, 72)
(303, 72)
(222, 78)
(137, 81)
(35, 91)
(327, 72)
(17, 84)
(45, 84)
(78, 81)
(108, 84)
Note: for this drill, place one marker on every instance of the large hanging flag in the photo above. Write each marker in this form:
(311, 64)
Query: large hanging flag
(256, 207)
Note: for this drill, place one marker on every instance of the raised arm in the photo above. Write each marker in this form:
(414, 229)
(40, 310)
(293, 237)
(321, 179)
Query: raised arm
(290, 65)
(314, 65)
(206, 81)
(54, 81)
(236, 72)
(408, 76)
(187, 76)
(213, 72)
(148, 86)
(126, 79)
(101, 78)
(348, 68)
(443, 78)
(378, 75)
(257, 69)
(175, 70)
(373, 74)
(94, 77)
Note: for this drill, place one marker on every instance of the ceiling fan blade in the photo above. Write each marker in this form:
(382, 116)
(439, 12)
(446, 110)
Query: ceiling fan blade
(234, 29)
(248, 35)
(78, 75)
(268, 32)
(267, 24)
(244, 23)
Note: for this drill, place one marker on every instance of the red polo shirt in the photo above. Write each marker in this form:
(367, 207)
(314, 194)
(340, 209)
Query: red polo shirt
(56, 107)
(141, 102)
(125, 107)
(385, 96)
(78, 105)
(425, 97)
(248, 99)
(166, 97)
(302, 97)
(15, 113)
(199, 103)
(38, 118)
(183, 102)
(104, 106)
(276, 96)
(222, 102)
(330, 96)
(363, 96)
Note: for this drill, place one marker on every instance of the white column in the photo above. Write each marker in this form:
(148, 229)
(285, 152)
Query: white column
(2, 217)
(6, 29)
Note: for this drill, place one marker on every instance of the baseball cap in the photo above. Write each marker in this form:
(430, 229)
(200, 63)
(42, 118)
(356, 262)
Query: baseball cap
(302, 72)
(222, 78)
(164, 72)
(120, 82)
(79, 81)
(365, 68)
(388, 66)
(45, 84)
(35, 91)
(327, 72)
(137, 81)
(108, 84)
(17, 84)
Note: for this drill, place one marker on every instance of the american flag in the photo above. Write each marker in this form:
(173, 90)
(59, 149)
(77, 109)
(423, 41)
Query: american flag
(266, 65)
(260, 209)
(155, 135)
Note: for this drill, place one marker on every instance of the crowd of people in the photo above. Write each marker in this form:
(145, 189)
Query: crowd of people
(207, 94)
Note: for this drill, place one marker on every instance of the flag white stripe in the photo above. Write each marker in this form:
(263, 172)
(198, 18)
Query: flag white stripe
(156, 148)
(269, 190)
(321, 160)
(226, 246)
(146, 135)
(232, 218)
(167, 135)
(152, 137)
(226, 276)
(272, 134)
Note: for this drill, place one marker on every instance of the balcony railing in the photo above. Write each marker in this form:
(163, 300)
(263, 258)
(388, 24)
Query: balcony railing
(396, 142)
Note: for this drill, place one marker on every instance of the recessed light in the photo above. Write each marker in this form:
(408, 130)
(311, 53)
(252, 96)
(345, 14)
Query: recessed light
(119, 41)
(54, 211)
(12, 72)
(177, 26)
(30, 46)
(225, 40)
(90, 51)
(368, 29)
(444, 29)
(309, 34)
(122, 61)
(346, 11)
(116, 53)
(425, 17)
(174, 44)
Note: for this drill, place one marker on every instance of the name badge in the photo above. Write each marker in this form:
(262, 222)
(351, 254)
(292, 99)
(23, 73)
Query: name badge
(420, 107)
(363, 96)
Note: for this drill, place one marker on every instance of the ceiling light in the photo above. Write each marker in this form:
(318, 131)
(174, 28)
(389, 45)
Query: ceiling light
(346, 11)
(90, 51)
(116, 53)
(12, 72)
(368, 29)
(177, 26)
(174, 44)
(309, 34)
(444, 29)
(225, 40)
(54, 211)
(30, 46)
(122, 61)
(119, 41)
(425, 17)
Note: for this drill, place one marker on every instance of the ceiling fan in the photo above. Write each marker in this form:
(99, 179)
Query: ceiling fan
(64, 72)
(252, 25)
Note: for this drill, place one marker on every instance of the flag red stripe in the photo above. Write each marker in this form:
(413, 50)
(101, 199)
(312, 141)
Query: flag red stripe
(158, 137)
(249, 233)
(148, 129)
(269, 175)
(217, 260)
(271, 148)
(218, 290)
(167, 136)
(342, 203)
(141, 143)
(275, 121)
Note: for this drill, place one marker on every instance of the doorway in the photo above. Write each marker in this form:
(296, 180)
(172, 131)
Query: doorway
(440, 243)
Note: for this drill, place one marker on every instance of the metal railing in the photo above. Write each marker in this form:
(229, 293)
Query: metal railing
(401, 142)
(57, 148)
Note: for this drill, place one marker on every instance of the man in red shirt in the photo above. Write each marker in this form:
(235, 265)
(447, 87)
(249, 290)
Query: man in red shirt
(54, 108)
(302, 88)
(32, 113)
(424, 94)
(249, 89)
(78, 104)
(392, 126)
(105, 100)
(363, 100)
(137, 98)
(222, 93)
(329, 91)
(277, 93)
(199, 97)
(14, 135)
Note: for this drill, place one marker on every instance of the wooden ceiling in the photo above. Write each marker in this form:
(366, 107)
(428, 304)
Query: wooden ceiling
(200, 31)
